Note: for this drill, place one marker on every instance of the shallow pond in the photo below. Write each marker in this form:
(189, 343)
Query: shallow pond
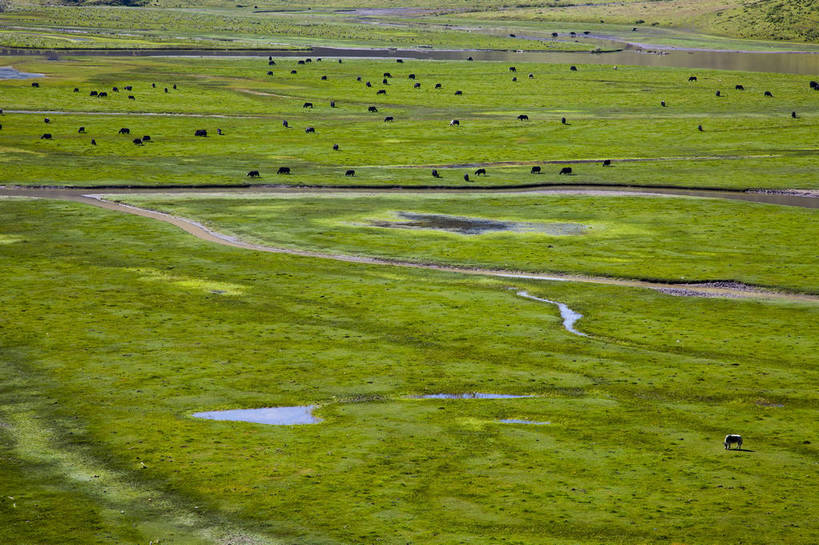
(472, 395)
(519, 421)
(474, 226)
(9, 72)
(277, 416)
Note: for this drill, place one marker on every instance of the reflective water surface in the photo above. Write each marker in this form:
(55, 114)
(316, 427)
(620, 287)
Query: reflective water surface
(277, 416)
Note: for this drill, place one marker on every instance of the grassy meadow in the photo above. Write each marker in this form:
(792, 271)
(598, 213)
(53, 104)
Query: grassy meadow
(653, 238)
(111, 343)
(748, 140)
(115, 329)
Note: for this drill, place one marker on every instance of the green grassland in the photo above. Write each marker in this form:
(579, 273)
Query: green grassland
(748, 141)
(672, 239)
(109, 343)
(114, 27)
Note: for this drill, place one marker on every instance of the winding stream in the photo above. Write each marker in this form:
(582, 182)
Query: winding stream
(569, 316)
(782, 62)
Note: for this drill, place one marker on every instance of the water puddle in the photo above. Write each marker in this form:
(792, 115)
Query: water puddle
(471, 395)
(474, 226)
(519, 421)
(9, 72)
(569, 316)
(277, 416)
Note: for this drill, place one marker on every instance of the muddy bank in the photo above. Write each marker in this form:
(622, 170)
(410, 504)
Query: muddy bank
(474, 226)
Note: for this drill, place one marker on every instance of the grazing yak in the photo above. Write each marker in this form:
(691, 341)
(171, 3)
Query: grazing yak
(411, 76)
(381, 92)
(662, 103)
(458, 93)
(573, 68)
(270, 72)
(718, 94)
(285, 124)
(200, 132)
(93, 142)
(563, 120)
(307, 105)
(793, 115)
(46, 120)
(739, 87)
(358, 78)
(692, 78)
(399, 61)
(531, 76)
(768, 94)
(35, 84)
(76, 89)
(732, 439)
(514, 78)
(480, 172)
(814, 85)
(254, 174)
(153, 85)
(523, 117)
(566, 170)
(513, 69)
(416, 86)
(271, 63)
(300, 62)
(372, 109)
(219, 132)
(470, 59)
(46, 136)
(308, 130)
(454, 123)
(174, 86)
(350, 172)
(129, 87)
(166, 89)
(92, 94)
(131, 97)
(126, 130)
(323, 78)
(283, 170)
(137, 141)
(388, 119)
(607, 162)
(554, 34)
(332, 103)
(335, 147)
(368, 84)
(387, 75)
(115, 89)
(438, 85)
(535, 170)
(435, 173)
(102, 94)
(293, 72)
(699, 128)
(466, 177)
(81, 130)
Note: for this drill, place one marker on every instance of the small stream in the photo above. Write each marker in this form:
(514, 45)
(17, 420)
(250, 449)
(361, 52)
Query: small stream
(569, 316)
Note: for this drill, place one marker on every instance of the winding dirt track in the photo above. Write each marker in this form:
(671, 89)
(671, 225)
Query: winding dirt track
(200, 231)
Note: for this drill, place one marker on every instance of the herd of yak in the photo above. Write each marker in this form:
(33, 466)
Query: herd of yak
(372, 109)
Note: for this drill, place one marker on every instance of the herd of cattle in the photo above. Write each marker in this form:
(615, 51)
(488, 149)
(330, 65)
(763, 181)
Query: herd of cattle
(387, 76)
